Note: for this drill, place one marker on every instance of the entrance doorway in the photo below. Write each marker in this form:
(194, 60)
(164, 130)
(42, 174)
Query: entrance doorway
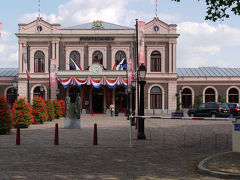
(120, 99)
(73, 92)
(97, 100)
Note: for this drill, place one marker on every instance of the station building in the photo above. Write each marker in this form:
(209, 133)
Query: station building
(90, 61)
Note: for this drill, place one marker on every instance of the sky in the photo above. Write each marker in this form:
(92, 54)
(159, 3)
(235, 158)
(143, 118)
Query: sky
(201, 43)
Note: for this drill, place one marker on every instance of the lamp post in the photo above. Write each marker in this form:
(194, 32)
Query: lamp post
(128, 101)
(141, 75)
(15, 87)
(133, 100)
(41, 91)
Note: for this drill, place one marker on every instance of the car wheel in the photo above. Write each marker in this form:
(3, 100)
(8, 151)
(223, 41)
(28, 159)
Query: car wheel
(231, 115)
(213, 115)
(191, 115)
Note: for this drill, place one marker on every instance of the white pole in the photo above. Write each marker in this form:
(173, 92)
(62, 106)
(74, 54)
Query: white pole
(130, 138)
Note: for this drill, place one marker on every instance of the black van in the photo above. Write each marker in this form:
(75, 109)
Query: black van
(210, 109)
(234, 109)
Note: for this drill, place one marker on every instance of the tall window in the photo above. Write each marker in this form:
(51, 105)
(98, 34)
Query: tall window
(10, 96)
(210, 95)
(39, 62)
(186, 98)
(156, 61)
(97, 57)
(74, 60)
(120, 60)
(156, 98)
(37, 92)
(233, 95)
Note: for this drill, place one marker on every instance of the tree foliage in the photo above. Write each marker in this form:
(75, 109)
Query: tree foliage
(5, 119)
(220, 9)
(50, 109)
(39, 110)
(57, 109)
(22, 113)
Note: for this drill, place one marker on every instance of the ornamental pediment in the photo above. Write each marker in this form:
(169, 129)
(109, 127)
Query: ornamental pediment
(159, 27)
(38, 26)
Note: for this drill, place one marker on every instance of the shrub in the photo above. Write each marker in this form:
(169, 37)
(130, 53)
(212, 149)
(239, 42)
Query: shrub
(50, 109)
(62, 106)
(22, 113)
(5, 119)
(57, 109)
(39, 110)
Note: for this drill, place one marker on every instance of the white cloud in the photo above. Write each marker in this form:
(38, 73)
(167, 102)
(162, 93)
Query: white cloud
(209, 50)
(201, 44)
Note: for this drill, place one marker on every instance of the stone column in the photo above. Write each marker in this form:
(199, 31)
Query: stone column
(172, 90)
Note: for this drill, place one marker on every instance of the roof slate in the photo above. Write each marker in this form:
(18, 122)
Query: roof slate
(8, 72)
(107, 25)
(208, 72)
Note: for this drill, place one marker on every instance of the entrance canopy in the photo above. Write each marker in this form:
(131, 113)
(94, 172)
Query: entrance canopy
(72, 80)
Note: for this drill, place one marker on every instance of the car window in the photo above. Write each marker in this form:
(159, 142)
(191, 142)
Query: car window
(238, 105)
(208, 105)
(201, 106)
(223, 105)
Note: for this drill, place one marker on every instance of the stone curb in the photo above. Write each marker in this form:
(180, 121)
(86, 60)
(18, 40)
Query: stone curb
(204, 170)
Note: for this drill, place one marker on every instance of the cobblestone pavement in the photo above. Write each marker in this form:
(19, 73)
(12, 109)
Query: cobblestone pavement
(162, 155)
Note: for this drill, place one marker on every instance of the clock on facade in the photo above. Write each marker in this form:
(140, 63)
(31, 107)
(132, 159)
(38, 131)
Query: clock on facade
(156, 28)
(96, 70)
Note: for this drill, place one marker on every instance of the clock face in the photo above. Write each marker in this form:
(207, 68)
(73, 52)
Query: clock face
(156, 28)
(96, 70)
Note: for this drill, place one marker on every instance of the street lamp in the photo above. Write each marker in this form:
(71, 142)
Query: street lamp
(41, 91)
(128, 101)
(133, 100)
(15, 87)
(141, 75)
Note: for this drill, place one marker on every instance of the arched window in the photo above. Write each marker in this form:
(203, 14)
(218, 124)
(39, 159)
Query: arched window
(156, 61)
(156, 98)
(97, 57)
(233, 95)
(10, 96)
(37, 92)
(120, 60)
(74, 60)
(186, 98)
(210, 95)
(39, 62)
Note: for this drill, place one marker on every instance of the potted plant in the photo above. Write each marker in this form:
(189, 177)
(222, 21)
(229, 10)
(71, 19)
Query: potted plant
(5, 119)
(39, 110)
(57, 109)
(50, 109)
(22, 113)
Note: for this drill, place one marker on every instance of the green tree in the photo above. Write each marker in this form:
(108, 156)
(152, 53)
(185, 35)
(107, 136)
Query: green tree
(221, 99)
(5, 119)
(22, 113)
(50, 109)
(198, 101)
(39, 110)
(57, 109)
(220, 9)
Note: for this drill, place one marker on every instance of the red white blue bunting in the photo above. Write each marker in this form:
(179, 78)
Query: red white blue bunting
(90, 81)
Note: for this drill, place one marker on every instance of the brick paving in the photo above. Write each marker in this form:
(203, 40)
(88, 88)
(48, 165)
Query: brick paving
(163, 157)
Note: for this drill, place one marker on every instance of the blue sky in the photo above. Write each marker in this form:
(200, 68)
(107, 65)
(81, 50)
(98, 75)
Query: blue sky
(201, 43)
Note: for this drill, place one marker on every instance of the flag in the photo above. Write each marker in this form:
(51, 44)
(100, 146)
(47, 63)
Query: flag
(0, 28)
(79, 63)
(76, 66)
(141, 49)
(115, 65)
(129, 71)
(121, 65)
(24, 57)
(53, 66)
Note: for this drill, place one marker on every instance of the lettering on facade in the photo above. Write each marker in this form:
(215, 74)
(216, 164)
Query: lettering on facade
(97, 38)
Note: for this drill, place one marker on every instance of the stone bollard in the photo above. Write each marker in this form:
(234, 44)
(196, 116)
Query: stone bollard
(18, 135)
(56, 142)
(95, 135)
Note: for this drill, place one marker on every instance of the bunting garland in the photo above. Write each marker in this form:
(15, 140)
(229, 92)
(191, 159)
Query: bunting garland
(90, 81)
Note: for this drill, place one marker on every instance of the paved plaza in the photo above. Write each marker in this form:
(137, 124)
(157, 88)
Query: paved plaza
(163, 155)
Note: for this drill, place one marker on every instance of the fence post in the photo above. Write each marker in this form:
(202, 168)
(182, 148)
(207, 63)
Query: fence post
(56, 141)
(95, 135)
(18, 135)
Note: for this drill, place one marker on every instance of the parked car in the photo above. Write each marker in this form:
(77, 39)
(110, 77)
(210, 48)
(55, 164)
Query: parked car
(234, 109)
(210, 109)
